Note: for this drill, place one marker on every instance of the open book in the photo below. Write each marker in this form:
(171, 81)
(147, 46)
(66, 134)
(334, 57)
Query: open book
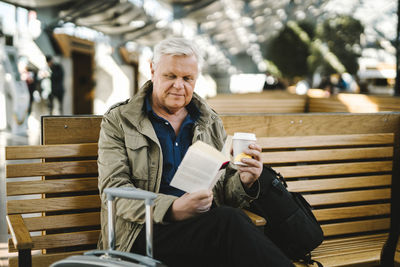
(200, 167)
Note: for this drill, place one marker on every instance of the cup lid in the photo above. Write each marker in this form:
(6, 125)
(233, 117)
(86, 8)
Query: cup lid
(245, 136)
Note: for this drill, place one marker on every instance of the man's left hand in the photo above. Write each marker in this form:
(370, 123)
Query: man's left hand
(250, 173)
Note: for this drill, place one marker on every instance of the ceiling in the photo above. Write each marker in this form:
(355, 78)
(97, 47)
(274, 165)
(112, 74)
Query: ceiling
(226, 29)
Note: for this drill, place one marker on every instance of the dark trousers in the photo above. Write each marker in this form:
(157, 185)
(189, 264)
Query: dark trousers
(223, 236)
(60, 97)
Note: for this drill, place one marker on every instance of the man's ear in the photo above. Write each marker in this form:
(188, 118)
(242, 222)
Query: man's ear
(152, 69)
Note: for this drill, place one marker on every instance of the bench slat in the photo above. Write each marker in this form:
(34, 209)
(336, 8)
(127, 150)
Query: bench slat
(326, 155)
(325, 140)
(335, 169)
(352, 212)
(52, 204)
(370, 257)
(62, 221)
(51, 186)
(238, 105)
(348, 197)
(51, 168)
(355, 227)
(352, 247)
(257, 105)
(70, 130)
(334, 243)
(51, 151)
(342, 183)
(261, 108)
(63, 240)
(44, 259)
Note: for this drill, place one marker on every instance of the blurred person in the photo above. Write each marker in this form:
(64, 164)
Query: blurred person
(327, 85)
(57, 84)
(30, 76)
(142, 142)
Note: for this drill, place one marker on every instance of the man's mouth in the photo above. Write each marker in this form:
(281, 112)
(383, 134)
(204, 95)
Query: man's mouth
(175, 94)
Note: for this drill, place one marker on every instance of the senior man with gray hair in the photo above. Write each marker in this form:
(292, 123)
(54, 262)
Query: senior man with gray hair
(142, 142)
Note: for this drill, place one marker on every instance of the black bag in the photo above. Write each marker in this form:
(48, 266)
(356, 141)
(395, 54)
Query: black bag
(291, 225)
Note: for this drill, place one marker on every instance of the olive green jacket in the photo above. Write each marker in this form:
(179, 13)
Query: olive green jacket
(130, 156)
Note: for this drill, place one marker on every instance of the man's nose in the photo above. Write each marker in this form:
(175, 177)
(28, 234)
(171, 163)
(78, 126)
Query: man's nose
(179, 83)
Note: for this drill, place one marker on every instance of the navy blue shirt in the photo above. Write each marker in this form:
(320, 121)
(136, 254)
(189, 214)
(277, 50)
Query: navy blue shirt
(173, 147)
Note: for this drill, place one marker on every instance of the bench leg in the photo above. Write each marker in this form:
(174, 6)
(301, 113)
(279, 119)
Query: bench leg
(389, 250)
(24, 258)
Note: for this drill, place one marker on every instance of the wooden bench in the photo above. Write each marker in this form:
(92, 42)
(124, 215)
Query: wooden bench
(53, 203)
(342, 163)
(264, 102)
(354, 103)
(54, 209)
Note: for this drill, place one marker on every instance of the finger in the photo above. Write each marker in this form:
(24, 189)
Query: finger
(204, 208)
(205, 201)
(251, 163)
(253, 153)
(255, 146)
(201, 194)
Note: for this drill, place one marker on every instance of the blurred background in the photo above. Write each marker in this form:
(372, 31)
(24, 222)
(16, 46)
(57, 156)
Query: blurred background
(101, 49)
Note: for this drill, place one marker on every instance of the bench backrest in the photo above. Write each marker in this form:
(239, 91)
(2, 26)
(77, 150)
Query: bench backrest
(355, 103)
(265, 102)
(316, 100)
(342, 163)
(53, 189)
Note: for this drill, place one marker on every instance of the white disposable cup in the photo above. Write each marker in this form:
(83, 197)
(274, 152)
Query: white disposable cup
(241, 142)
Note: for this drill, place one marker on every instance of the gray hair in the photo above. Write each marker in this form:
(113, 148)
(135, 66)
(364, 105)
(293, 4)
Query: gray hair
(177, 46)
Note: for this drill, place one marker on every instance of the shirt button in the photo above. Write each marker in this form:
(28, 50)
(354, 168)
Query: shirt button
(176, 143)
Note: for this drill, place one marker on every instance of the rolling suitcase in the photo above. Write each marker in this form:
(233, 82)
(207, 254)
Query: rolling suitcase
(111, 257)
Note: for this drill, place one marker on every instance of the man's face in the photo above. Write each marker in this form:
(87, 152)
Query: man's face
(174, 79)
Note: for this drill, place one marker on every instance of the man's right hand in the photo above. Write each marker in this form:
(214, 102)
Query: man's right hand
(191, 204)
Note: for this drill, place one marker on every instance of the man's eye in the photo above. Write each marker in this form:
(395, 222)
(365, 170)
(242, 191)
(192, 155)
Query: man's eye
(170, 76)
(188, 79)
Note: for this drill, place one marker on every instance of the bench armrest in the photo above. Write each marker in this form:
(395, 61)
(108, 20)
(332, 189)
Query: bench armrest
(257, 220)
(19, 232)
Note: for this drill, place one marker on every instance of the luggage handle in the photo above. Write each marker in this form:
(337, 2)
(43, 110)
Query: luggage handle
(130, 193)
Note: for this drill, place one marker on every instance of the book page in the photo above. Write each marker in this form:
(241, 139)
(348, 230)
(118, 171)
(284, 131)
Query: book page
(198, 168)
(216, 178)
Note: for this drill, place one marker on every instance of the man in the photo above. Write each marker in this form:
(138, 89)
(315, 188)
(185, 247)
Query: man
(57, 84)
(143, 140)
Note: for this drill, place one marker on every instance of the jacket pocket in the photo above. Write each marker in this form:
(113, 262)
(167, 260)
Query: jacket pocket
(137, 148)
(124, 234)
